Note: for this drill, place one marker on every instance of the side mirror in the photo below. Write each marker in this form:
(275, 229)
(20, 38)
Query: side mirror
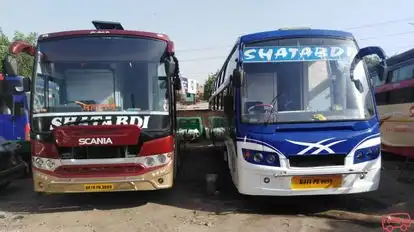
(236, 79)
(382, 66)
(169, 66)
(228, 105)
(382, 70)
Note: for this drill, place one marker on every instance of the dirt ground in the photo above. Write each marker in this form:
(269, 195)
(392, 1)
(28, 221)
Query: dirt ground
(188, 207)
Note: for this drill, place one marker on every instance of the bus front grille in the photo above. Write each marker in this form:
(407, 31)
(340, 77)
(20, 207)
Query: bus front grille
(99, 152)
(317, 160)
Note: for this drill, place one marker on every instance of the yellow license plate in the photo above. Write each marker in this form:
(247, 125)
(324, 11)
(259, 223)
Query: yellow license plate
(316, 182)
(98, 187)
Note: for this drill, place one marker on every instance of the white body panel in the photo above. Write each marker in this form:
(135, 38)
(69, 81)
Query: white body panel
(249, 178)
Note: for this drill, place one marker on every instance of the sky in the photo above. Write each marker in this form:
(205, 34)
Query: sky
(204, 31)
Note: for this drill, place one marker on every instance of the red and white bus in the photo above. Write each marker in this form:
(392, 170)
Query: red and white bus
(395, 101)
(109, 122)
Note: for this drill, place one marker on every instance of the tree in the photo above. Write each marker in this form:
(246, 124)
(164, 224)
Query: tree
(24, 61)
(4, 47)
(208, 85)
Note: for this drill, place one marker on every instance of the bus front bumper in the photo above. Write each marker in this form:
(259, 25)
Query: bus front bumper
(161, 178)
(272, 181)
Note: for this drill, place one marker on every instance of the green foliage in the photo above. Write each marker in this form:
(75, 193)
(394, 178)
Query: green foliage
(208, 85)
(4, 48)
(24, 60)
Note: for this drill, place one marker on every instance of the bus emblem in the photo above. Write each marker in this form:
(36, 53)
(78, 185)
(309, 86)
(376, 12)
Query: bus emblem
(319, 145)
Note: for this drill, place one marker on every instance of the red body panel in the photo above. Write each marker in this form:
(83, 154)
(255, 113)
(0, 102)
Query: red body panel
(158, 146)
(103, 32)
(394, 86)
(401, 151)
(150, 35)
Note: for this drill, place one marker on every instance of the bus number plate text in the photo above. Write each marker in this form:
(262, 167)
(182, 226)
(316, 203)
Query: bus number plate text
(316, 182)
(98, 187)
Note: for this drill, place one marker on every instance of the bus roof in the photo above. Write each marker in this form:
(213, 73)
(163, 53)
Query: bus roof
(407, 55)
(278, 34)
(152, 35)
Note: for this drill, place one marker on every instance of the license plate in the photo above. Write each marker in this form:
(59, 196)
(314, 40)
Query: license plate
(98, 187)
(316, 182)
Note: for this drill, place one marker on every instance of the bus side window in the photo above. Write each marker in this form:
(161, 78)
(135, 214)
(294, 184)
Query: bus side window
(401, 95)
(405, 73)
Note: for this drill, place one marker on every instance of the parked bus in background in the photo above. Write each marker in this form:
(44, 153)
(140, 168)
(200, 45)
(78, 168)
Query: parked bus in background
(302, 116)
(14, 110)
(395, 99)
(103, 110)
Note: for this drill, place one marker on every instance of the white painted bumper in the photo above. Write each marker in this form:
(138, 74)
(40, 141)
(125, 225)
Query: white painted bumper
(357, 178)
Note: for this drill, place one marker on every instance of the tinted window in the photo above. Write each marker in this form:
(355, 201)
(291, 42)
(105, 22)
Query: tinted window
(402, 73)
(100, 74)
(278, 88)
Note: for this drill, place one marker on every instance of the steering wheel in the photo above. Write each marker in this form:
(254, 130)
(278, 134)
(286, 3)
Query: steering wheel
(268, 106)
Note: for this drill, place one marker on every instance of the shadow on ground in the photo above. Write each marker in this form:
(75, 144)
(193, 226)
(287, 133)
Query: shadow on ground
(190, 193)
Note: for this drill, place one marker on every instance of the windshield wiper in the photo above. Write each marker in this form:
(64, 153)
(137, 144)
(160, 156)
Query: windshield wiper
(84, 121)
(273, 102)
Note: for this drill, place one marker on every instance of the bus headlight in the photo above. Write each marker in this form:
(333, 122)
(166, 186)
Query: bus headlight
(50, 164)
(149, 161)
(366, 154)
(258, 157)
(161, 158)
(270, 158)
(39, 162)
(261, 157)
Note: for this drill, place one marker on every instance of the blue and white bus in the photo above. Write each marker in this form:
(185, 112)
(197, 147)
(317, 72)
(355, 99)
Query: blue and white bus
(301, 114)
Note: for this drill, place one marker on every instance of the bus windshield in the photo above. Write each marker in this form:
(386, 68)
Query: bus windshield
(303, 80)
(100, 73)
